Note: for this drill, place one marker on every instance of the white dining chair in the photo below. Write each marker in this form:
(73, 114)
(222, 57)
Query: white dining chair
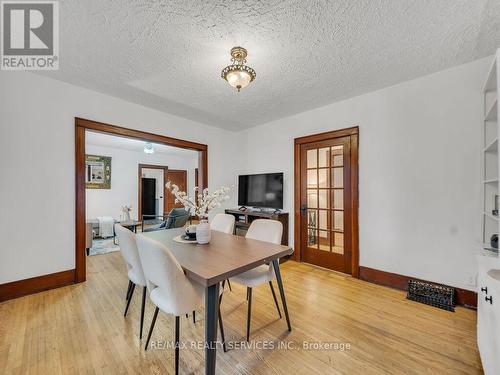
(169, 288)
(268, 231)
(223, 223)
(128, 249)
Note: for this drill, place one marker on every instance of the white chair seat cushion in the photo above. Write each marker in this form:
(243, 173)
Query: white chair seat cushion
(255, 277)
(194, 299)
(135, 278)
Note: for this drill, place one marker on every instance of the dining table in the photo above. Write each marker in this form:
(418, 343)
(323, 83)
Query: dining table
(225, 256)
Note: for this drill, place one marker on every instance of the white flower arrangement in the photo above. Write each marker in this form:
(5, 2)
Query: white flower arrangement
(126, 209)
(206, 200)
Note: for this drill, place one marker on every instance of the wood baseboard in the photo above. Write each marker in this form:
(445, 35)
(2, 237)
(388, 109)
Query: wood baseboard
(36, 284)
(463, 297)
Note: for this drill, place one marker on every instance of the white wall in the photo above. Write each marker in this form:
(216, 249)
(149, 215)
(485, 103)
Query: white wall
(419, 162)
(124, 184)
(37, 183)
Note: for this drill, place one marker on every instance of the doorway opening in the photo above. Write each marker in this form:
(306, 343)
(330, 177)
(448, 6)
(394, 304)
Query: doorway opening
(98, 174)
(151, 182)
(326, 200)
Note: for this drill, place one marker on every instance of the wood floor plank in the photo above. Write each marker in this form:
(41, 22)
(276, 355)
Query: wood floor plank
(80, 329)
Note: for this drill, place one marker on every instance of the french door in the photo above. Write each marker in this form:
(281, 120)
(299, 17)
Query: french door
(328, 202)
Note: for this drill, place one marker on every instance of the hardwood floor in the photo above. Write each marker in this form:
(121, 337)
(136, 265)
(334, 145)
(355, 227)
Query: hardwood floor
(80, 329)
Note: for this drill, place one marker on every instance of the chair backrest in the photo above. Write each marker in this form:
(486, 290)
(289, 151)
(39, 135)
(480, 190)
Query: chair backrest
(128, 249)
(177, 218)
(163, 271)
(223, 223)
(265, 230)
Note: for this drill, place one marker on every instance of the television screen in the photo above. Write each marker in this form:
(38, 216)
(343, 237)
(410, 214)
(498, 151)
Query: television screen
(261, 190)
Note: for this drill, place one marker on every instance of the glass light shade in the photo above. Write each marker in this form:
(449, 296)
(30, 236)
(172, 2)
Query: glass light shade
(238, 79)
(149, 149)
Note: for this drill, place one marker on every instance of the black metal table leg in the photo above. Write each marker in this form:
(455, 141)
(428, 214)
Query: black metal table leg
(274, 297)
(276, 265)
(211, 317)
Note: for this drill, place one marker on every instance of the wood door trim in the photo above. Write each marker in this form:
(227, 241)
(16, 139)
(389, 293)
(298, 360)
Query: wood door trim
(327, 135)
(463, 297)
(81, 125)
(138, 134)
(353, 132)
(139, 185)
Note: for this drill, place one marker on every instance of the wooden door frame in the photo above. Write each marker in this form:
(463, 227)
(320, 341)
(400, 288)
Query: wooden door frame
(82, 125)
(139, 185)
(353, 132)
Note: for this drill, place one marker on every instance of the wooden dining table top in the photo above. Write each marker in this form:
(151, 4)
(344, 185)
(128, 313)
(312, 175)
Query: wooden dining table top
(225, 256)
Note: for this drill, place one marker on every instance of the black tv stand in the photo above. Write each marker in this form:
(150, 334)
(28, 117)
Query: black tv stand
(244, 218)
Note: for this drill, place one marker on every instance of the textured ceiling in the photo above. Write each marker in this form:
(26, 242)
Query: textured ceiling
(113, 141)
(168, 54)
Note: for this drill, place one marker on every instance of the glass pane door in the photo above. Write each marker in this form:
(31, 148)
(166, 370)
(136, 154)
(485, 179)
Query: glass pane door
(326, 212)
(325, 198)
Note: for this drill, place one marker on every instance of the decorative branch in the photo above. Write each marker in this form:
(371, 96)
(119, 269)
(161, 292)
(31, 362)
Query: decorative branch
(206, 200)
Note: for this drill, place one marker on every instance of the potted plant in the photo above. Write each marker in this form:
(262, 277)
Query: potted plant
(200, 207)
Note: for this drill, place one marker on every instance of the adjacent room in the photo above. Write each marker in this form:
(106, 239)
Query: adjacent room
(125, 183)
(249, 187)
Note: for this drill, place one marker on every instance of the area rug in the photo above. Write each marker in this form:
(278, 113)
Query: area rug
(103, 246)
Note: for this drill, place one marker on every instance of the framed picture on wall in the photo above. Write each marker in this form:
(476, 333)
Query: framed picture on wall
(97, 172)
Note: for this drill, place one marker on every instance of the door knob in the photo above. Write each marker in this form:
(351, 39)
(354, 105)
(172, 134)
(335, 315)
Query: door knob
(303, 209)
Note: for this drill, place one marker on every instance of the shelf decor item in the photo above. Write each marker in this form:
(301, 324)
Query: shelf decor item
(199, 205)
(494, 241)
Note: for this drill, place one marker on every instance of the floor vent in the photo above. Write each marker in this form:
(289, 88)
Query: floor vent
(435, 295)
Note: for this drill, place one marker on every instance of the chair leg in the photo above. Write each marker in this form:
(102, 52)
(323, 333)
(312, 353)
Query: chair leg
(194, 317)
(143, 307)
(229, 285)
(247, 294)
(151, 328)
(249, 314)
(177, 328)
(128, 290)
(274, 297)
(221, 326)
(129, 299)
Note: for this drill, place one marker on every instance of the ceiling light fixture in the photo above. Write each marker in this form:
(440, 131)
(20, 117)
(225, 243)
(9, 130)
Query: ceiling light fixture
(238, 74)
(149, 149)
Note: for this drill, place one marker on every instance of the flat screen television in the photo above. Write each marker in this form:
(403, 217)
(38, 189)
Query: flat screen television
(261, 190)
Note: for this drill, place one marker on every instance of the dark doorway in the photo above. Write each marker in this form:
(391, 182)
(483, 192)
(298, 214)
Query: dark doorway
(148, 202)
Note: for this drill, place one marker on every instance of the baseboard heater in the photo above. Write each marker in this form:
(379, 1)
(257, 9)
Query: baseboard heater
(436, 295)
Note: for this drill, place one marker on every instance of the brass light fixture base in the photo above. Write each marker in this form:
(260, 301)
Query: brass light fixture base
(239, 54)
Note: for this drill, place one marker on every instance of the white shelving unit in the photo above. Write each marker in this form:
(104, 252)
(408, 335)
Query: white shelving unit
(490, 160)
(488, 289)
